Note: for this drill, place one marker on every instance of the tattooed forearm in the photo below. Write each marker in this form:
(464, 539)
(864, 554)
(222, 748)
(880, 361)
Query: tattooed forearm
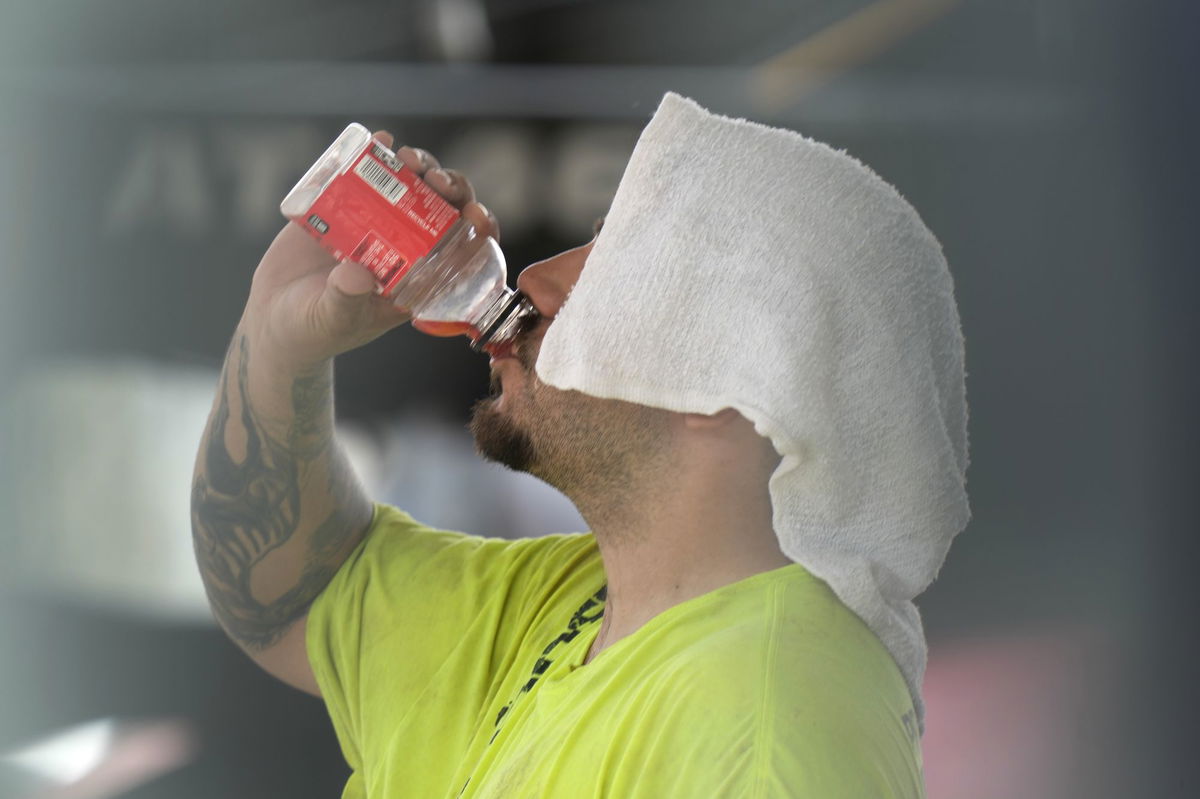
(246, 509)
(311, 401)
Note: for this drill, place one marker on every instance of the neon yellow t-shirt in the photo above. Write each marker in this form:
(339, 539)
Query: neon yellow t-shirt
(451, 666)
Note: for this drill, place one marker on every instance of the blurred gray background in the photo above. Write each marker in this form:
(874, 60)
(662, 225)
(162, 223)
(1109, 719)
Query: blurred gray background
(145, 148)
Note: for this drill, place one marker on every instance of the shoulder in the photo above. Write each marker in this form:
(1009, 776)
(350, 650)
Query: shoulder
(396, 545)
(788, 631)
(800, 684)
(768, 687)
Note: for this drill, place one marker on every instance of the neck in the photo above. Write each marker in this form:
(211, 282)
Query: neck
(674, 535)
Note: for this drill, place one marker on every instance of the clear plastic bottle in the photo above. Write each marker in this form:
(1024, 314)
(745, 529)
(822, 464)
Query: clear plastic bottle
(361, 203)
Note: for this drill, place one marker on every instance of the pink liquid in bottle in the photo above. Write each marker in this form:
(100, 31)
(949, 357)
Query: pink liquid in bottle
(446, 329)
(499, 349)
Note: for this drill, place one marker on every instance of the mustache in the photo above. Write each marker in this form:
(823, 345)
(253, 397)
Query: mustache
(526, 325)
(521, 350)
(524, 337)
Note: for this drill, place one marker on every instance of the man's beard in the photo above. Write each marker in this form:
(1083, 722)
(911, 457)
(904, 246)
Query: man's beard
(587, 447)
(497, 437)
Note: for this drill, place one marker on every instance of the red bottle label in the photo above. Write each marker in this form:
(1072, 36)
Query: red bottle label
(380, 214)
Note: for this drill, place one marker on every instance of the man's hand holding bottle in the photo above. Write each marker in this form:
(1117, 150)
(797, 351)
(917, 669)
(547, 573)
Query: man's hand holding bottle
(305, 307)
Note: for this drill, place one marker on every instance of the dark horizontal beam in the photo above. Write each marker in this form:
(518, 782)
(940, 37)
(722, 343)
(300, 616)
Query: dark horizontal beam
(516, 91)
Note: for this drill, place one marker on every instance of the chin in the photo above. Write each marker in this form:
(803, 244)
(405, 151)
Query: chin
(498, 438)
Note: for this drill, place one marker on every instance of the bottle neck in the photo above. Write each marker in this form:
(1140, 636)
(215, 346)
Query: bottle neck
(502, 320)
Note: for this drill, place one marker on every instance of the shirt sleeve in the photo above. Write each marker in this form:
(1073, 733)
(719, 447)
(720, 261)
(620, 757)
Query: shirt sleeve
(410, 601)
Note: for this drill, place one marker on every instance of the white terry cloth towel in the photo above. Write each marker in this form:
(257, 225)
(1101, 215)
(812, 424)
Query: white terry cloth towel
(750, 267)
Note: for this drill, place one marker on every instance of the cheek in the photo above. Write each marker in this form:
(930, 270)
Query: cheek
(528, 353)
(535, 395)
(543, 404)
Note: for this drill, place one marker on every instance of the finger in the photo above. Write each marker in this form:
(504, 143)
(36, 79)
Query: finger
(416, 159)
(384, 138)
(481, 218)
(451, 184)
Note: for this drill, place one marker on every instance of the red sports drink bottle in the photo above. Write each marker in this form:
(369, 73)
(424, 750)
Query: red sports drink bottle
(362, 204)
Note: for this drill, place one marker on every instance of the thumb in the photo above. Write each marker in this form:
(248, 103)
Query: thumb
(348, 289)
(352, 279)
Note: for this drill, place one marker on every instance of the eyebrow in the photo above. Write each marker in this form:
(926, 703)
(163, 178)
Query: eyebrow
(597, 225)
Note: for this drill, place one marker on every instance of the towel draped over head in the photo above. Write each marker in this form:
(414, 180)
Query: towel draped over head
(749, 267)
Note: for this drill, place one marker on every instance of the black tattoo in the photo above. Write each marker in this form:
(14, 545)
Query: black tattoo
(243, 511)
(311, 401)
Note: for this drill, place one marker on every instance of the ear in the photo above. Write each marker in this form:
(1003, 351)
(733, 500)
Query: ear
(702, 421)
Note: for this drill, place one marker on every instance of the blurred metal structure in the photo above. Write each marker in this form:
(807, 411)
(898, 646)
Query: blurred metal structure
(537, 92)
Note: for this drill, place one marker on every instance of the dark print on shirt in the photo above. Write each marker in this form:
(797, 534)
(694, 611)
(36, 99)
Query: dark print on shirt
(590, 611)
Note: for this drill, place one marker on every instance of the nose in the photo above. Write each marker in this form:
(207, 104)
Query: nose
(547, 283)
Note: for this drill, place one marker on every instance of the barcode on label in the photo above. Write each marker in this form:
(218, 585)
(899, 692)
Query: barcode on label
(385, 157)
(380, 179)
